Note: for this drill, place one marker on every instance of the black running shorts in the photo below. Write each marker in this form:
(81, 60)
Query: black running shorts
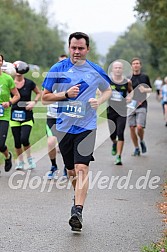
(76, 148)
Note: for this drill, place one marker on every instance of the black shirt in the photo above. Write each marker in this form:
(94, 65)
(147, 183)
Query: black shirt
(138, 96)
(25, 96)
(117, 102)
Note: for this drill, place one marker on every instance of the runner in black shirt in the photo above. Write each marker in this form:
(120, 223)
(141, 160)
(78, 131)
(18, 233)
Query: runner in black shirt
(137, 119)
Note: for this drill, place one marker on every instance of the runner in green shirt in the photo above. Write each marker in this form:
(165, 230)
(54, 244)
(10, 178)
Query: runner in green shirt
(7, 87)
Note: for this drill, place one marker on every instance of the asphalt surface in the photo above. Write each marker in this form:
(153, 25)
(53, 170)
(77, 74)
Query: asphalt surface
(120, 212)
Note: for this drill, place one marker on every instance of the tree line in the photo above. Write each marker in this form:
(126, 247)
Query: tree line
(146, 39)
(26, 35)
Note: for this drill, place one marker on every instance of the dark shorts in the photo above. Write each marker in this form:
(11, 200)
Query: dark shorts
(158, 91)
(76, 148)
(51, 126)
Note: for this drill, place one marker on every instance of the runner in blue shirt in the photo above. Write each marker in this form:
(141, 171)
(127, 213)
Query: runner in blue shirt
(76, 81)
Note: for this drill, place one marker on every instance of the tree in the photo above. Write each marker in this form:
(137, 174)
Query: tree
(93, 56)
(153, 13)
(131, 44)
(26, 35)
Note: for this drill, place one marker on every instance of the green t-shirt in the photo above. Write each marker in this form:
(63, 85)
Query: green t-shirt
(6, 84)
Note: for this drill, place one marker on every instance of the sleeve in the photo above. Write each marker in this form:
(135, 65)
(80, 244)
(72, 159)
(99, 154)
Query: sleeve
(148, 81)
(105, 81)
(11, 83)
(33, 85)
(50, 79)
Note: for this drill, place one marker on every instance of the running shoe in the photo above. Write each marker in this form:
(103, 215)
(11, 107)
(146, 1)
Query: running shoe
(118, 160)
(32, 164)
(114, 149)
(72, 210)
(143, 147)
(8, 163)
(65, 172)
(52, 173)
(65, 175)
(20, 165)
(136, 152)
(76, 220)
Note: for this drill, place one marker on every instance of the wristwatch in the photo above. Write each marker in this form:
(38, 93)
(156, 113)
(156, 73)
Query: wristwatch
(66, 95)
(10, 103)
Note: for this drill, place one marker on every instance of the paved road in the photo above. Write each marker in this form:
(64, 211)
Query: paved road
(120, 213)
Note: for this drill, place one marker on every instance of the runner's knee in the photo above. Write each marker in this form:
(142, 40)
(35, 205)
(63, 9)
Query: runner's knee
(25, 141)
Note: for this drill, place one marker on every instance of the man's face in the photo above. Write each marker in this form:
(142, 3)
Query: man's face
(78, 50)
(117, 69)
(136, 66)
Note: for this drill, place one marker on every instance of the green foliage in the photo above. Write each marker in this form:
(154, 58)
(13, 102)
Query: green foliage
(93, 56)
(153, 13)
(146, 39)
(25, 35)
(131, 44)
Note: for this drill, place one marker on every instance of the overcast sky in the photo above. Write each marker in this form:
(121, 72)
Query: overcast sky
(91, 16)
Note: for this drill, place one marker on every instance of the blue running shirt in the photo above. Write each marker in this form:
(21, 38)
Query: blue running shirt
(75, 115)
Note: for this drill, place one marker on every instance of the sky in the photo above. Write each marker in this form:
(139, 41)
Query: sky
(90, 16)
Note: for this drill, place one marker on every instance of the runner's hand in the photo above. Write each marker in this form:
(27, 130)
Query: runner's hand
(73, 91)
(93, 103)
(30, 105)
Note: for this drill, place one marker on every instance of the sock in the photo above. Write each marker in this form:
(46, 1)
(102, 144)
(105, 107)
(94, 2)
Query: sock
(53, 161)
(79, 208)
(74, 197)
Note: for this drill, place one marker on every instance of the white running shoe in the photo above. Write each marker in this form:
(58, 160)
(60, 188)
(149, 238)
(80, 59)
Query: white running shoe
(32, 164)
(20, 165)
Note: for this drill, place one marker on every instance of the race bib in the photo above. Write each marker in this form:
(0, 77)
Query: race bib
(18, 115)
(132, 104)
(1, 110)
(74, 109)
(116, 96)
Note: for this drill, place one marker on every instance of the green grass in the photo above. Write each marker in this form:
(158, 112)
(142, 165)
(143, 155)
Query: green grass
(156, 247)
(102, 114)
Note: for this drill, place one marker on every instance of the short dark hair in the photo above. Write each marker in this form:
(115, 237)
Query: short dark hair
(136, 58)
(79, 35)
